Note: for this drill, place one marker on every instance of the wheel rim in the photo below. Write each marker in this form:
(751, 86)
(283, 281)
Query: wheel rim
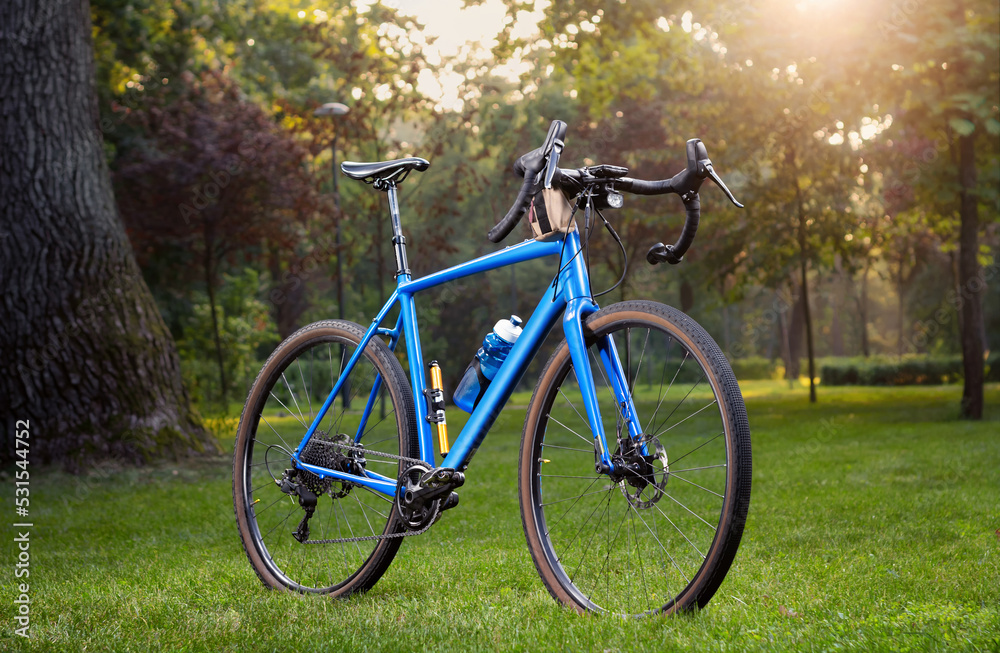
(641, 546)
(278, 419)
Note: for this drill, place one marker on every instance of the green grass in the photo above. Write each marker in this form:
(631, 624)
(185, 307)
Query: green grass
(874, 525)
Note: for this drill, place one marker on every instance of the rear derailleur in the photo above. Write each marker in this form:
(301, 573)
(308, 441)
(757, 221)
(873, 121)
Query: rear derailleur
(423, 493)
(290, 485)
(337, 452)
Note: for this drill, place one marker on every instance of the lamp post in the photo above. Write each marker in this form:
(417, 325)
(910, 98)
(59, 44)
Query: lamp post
(337, 109)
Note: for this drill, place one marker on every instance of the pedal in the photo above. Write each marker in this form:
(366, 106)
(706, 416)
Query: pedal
(442, 476)
(450, 502)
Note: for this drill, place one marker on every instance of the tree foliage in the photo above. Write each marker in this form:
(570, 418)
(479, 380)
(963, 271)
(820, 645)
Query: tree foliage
(839, 124)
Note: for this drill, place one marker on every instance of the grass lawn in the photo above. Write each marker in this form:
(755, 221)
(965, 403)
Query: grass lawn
(874, 525)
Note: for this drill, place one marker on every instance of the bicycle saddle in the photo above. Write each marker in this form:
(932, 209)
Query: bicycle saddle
(393, 171)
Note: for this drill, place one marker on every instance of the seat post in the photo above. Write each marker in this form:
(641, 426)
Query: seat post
(398, 239)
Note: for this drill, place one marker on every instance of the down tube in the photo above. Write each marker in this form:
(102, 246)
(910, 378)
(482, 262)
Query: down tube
(536, 329)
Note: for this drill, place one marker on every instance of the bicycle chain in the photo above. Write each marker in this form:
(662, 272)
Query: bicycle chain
(360, 449)
(390, 536)
(367, 538)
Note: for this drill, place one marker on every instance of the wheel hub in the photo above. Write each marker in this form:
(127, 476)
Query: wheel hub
(642, 478)
(330, 451)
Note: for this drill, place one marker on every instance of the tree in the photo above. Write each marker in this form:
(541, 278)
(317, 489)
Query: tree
(215, 178)
(943, 70)
(90, 361)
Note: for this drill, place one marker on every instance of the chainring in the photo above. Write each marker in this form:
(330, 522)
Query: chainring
(415, 518)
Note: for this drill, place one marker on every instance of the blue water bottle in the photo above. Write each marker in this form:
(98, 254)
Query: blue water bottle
(486, 364)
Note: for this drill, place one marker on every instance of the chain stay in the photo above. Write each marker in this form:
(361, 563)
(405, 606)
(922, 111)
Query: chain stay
(389, 536)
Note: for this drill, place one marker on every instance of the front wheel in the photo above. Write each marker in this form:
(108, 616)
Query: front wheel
(661, 536)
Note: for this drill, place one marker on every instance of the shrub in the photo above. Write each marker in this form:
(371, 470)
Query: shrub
(753, 368)
(909, 370)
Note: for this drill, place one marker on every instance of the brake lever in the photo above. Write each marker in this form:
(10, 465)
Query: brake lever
(553, 163)
(709, 171)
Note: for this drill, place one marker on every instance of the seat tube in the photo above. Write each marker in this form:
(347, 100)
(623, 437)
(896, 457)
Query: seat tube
(398, 239)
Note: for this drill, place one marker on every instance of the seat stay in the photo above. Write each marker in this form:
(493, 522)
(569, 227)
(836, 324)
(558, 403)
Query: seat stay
(344, 374)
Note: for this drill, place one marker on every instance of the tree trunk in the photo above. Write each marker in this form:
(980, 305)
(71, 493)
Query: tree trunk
(88, 359)
(726, 327)
(686, 296)
(836, 306)
(288, 296)
(971, 284)
(209, 264)
(804, 294)
(863, 310)
(900, 313)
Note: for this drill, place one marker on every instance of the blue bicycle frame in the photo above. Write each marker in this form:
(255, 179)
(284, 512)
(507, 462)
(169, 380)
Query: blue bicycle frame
(569, 295)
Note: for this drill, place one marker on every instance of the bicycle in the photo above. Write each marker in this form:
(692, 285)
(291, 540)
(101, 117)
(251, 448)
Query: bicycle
(631, 503)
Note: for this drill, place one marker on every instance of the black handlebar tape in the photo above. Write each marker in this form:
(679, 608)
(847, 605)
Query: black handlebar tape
(529, 165)
(693, 208)
(505, 226)
(673, 254)
(642, 187)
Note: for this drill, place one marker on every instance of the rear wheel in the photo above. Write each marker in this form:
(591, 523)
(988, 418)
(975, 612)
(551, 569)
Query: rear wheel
(660, 534)
(293, 384)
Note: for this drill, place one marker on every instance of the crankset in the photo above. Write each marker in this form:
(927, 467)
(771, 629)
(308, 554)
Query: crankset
(423, 493)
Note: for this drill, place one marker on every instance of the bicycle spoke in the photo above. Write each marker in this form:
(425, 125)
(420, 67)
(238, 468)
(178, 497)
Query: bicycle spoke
(638, 367)
(695, 469)
(376, 494)
(687, 418)
(308, 388)
(611, 541)
(257, 513)
(281, 523)
(585, 494)
(289, 447)
(676, 460)
(375, 510)
(611, 390)
(363, 513)
(683, 399)
(671, 522)
(696, 515)
(294, 400)
(664, 549)
(573, 406)
(569, 547)
(586, 549)
(570, 430)
(304, 425)
(664, 395)
(555, 446)
(681, 478)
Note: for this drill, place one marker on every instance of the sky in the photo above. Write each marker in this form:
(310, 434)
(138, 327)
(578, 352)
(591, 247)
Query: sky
(461, 32)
